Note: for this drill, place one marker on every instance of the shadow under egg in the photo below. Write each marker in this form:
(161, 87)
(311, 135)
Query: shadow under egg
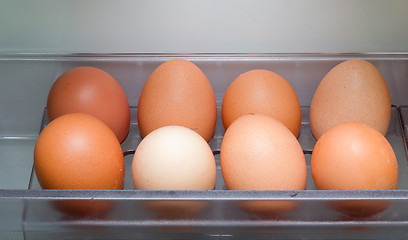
(175, 209)
(359, 208)
(83, 209)
(268, 208)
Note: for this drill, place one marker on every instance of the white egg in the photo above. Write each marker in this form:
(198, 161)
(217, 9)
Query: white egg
(173, 158)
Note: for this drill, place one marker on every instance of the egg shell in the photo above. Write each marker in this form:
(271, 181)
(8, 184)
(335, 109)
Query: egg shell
(78, 151)
(352, 91)
(262, 92)
(259, 153)
(354, 156)
(173, 158)
(177, 93)
(93, 91)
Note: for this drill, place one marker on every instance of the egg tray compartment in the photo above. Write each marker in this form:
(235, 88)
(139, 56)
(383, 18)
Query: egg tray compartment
(394, 136)
(222, 216)
(403, 111)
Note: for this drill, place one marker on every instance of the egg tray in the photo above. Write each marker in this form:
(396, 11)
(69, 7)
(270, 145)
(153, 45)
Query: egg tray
(306, 140)
(33, 211)
(222, 206)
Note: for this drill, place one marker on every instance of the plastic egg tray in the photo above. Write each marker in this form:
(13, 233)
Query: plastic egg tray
(32, 211)
(306, 140)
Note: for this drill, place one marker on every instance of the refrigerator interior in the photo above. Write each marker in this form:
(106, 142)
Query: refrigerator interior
(128, 214)
(299, 40)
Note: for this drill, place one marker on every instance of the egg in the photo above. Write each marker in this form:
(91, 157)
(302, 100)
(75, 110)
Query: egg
(78, 151)
(93, 91)
(352, 91)
(177, 93)
(259, 153)
(262, 92)
(173, 158)
(354, 156)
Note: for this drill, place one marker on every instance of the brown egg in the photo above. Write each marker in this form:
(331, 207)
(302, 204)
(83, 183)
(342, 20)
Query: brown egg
(177, 93)
(78, 151)
(353, 91)
(92, 91)
(354, 156)
(259, 153)
(262, 92)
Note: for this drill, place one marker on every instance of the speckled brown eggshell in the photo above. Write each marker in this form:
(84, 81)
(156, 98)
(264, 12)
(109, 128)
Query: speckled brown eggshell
(177, 93)
(353, 90)
(259, 153)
